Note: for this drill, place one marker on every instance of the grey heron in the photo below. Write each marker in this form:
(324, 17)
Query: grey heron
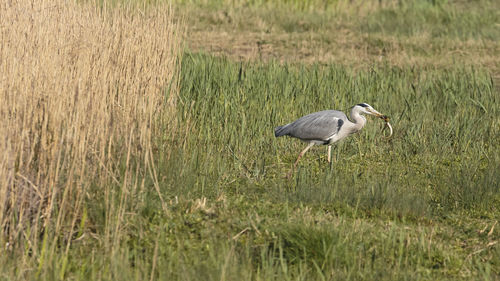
(328, 127)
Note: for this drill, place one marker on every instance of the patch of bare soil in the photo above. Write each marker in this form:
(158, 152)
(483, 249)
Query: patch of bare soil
(258, 38)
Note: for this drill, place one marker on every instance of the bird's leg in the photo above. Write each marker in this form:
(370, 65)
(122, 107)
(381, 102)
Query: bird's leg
(302, 153)
(298, 158)
(329, 154)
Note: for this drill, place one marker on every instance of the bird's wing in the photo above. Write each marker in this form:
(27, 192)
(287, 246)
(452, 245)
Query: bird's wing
(320, 125)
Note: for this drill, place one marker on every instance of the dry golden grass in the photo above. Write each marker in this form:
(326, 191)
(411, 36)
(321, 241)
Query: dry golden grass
(82, 91)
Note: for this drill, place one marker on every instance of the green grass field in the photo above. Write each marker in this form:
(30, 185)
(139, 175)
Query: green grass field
(409, 207)
(421, 205)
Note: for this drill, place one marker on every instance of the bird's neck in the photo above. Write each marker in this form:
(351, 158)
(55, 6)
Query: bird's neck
(358, 120)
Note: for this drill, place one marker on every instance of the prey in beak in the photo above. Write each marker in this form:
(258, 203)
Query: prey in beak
(370, 110)
(387, 124)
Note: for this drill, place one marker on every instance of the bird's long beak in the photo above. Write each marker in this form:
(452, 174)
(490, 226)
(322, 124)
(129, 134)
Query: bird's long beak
(377, 114)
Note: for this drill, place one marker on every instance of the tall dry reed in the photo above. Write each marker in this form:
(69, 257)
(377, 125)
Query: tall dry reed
(82, 88)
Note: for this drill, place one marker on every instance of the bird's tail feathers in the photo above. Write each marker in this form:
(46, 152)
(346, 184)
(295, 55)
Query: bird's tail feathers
(281, 131)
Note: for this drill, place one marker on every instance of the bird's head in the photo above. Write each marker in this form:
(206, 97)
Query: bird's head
(368, 109)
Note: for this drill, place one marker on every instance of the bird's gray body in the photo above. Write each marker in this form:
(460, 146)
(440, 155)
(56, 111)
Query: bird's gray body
(318, 127)
(327, 127)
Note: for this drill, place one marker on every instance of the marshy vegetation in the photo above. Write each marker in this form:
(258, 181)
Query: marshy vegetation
(125, 156)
